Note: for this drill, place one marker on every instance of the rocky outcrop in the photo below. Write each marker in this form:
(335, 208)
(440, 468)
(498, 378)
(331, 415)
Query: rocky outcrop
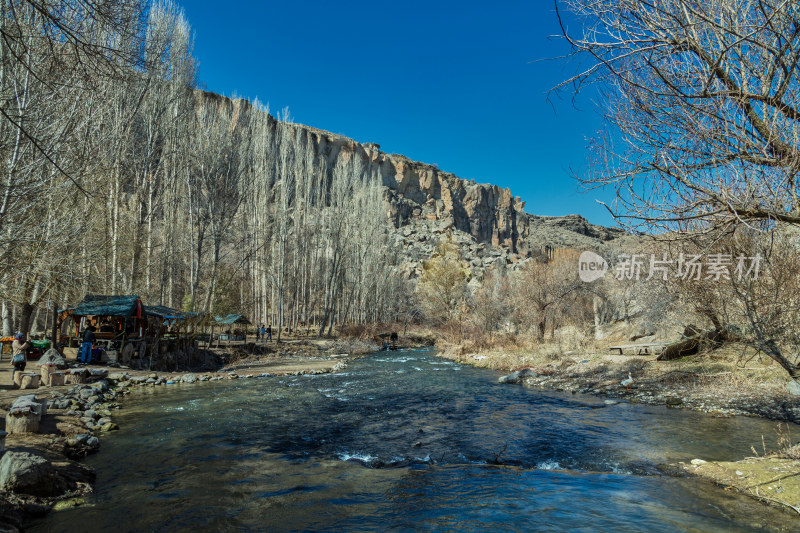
(417, 191)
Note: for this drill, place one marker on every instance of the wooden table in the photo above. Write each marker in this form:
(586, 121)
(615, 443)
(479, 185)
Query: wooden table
(640, 349)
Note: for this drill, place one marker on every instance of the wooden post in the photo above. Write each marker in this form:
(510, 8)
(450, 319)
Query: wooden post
(55, 339)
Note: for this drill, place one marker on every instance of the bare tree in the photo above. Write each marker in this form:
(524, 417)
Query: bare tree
(703, 100)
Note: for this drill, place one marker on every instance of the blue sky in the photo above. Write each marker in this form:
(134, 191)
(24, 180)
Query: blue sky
(452, 83)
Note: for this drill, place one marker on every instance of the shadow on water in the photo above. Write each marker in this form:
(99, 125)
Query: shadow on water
(405, 440)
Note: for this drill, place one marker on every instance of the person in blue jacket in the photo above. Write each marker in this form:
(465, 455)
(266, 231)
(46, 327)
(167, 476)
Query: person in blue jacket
(85, 353)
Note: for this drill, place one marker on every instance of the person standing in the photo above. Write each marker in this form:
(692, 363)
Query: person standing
(269, 332)
(85, 353)
(263, 333)
(258, 334)
(18, 353)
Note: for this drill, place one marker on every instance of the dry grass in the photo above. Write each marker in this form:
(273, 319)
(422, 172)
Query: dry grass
(732, 371)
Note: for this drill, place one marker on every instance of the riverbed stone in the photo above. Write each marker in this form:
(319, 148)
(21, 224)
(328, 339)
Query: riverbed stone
(673, 401)
(518, 376)
(188, 378)
(63, 505)
(28, 473)
(101, 385)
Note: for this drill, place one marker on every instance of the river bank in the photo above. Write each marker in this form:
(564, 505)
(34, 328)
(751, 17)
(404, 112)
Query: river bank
(726, 382)
(45, 467)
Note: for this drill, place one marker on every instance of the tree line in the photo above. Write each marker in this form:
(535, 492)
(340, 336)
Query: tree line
(121, 177)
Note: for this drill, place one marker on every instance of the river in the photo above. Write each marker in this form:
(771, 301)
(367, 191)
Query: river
(407, 441)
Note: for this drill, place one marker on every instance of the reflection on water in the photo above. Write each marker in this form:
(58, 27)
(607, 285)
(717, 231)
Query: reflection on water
(407, 441)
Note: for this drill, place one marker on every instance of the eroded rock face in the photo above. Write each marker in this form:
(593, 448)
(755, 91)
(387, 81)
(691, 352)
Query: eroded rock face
(28, 473)
(416, 192)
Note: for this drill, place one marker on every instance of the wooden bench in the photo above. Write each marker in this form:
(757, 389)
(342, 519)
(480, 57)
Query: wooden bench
(639, 349)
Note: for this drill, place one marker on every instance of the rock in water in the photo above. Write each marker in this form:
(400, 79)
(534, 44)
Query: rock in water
(189, 378)
(673, 401)
(793, 388)
(519, 375)
(52, 357)
(27, 473)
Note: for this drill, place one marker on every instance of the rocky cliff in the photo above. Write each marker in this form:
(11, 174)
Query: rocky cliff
(417, 192)
(491, 215)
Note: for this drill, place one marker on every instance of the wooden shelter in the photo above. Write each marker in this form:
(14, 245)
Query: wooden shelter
(117, 319)
(229, 333)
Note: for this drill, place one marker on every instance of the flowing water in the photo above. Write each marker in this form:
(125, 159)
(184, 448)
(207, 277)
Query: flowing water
(407, 441)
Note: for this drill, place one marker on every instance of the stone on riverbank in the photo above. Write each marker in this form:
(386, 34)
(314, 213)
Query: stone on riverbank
(793, 388)
(188, 378)
(518, 376)
(28, 473)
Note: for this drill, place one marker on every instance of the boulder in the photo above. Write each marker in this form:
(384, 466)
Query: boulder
(52, 357)
(79, 375)
(673, 401)
(518, 376)
(98, 373)
(189, 378)
(101, 385)
(793, 388)
(28, 473)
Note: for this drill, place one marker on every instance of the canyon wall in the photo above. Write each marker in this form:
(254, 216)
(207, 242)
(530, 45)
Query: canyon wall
(417, 191)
